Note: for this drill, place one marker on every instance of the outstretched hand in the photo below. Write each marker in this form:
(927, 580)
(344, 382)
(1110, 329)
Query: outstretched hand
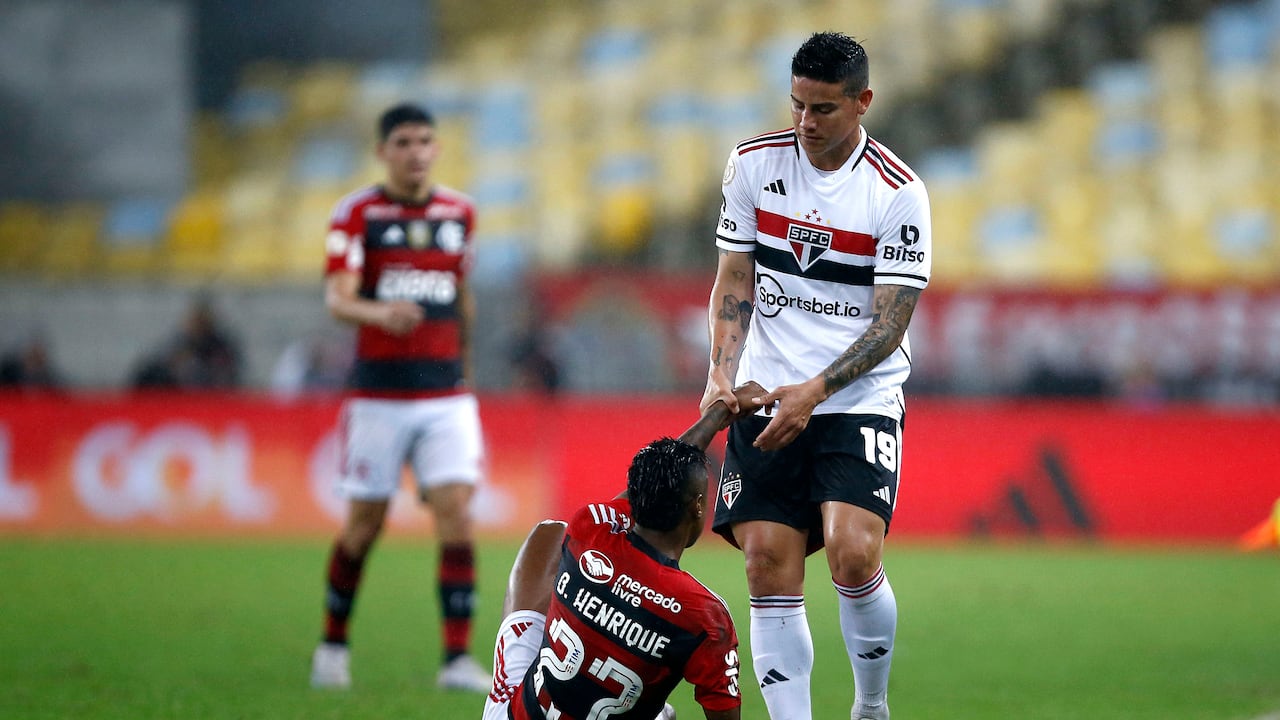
(750, 396)
(792, 407)
(718, 416)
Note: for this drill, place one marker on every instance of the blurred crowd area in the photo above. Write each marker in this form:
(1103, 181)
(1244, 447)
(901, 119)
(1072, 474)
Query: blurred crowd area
(1115, 159)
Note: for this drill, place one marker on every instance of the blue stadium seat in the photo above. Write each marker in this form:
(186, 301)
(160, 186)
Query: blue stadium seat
(324, 160)
(1237, 35)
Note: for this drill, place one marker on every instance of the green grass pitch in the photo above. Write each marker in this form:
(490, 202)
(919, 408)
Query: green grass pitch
(137, 629)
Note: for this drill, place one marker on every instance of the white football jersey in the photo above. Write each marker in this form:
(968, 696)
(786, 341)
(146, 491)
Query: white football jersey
(821, 241)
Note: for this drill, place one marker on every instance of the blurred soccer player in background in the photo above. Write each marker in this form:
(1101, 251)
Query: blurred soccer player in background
(398, 255)
(599, 619)
(824, 245)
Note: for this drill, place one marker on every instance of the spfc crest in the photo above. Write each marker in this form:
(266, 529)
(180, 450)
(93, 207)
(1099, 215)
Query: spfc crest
(808, 244)
(730, 488)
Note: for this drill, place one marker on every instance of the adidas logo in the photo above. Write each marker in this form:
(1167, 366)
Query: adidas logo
(876, 654)
(776, 187)
(883, 494)
(773, 676)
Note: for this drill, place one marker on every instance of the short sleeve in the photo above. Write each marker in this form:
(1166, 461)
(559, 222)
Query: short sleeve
(905, 249)
(736, 229)
(344, 245)
(713, 669)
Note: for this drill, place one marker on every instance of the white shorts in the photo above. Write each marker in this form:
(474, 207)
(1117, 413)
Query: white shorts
(439, 438)
(517, 646)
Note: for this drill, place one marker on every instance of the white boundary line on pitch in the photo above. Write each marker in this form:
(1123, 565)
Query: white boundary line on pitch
(1269, 716)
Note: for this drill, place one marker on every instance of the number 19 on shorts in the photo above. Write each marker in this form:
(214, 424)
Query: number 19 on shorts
(880, 447)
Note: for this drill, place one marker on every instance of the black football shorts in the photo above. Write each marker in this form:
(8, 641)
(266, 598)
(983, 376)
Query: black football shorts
(847, 458)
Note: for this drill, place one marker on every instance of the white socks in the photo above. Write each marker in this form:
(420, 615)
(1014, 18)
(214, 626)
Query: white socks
(868, 619)
(782, 655)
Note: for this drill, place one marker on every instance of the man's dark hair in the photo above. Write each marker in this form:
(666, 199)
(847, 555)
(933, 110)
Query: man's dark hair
(401, 114)
(833, 57)
(664, 476)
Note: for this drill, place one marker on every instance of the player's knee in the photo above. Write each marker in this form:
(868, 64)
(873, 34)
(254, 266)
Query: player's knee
(771, 572)
(358, 539)
(550, 531)
(853, 563)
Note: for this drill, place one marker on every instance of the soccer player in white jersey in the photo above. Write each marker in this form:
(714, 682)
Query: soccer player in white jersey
(824, 248)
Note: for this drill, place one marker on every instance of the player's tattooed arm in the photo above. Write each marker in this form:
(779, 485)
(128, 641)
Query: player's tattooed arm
(738, 312)
(892, 307)
(729, 314)
(733, 315)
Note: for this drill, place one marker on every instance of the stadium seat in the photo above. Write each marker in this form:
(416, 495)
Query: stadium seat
(193, 245)
(22, 226)
(132, 234)
(322, 92)
(71, 250)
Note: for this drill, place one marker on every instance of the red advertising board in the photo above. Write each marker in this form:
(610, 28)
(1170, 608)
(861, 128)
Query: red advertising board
(242, 465)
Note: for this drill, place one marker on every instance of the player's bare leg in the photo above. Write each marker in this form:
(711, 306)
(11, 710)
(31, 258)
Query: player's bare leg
(781, 644)
(451, 506)
(868, 609)
(330, 665)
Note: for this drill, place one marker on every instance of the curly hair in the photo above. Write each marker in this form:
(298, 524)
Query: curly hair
(833, 57)
(663, 478)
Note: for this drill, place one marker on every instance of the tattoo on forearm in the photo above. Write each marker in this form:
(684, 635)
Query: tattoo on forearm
(745, 309)
(891, 314)
(731, 308)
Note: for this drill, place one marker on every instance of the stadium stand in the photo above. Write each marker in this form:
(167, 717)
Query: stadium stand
(1073, 144)
(1108, 145)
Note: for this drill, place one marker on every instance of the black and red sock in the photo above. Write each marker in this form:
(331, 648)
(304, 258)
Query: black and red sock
(457, 596)
(340, 593)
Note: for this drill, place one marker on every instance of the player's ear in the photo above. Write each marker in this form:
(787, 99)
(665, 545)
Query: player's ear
(863, 100)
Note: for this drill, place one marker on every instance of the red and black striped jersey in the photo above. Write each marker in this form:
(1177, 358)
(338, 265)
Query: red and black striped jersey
(419, 253)
(624, 626)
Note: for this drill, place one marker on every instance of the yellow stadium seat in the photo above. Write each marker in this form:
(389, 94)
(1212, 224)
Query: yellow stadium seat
(954, 213)
(72, 247)
(196, 230)
(22, 227)
(322, 93)
(624, 219)
(131, 259)
(1072, 254)
(253, 254)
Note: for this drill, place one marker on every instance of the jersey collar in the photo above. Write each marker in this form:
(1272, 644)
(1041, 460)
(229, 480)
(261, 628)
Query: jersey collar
(643, 546)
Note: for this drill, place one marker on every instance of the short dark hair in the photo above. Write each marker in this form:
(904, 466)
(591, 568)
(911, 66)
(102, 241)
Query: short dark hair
(663, 478)
(401, 114)
(833, 57)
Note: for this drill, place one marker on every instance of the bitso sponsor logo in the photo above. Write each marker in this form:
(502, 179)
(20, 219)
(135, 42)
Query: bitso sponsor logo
(892, 252)
(910, 235)
(596, 566)
(771, 298)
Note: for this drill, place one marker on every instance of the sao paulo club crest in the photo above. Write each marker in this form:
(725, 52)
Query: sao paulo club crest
(730, 488)
(808, 244)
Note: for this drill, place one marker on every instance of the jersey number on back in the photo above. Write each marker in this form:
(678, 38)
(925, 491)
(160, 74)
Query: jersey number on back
(570, 664)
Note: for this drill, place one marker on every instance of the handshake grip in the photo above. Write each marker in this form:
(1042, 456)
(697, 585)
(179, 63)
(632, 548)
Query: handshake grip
(718, 417)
